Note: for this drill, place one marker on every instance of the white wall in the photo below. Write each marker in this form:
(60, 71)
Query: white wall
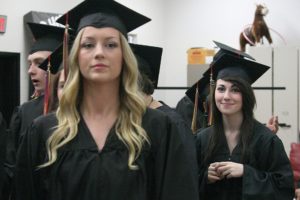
(175, 25)
(197, 22)
(14, 38)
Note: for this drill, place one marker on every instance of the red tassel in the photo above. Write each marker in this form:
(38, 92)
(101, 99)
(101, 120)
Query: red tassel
(66, 48)
(47, 88)
(195, 112)
(211, 88)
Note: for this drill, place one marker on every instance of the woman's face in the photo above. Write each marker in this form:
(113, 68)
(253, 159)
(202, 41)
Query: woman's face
(100, 55)
(228, 98)
(61, 83)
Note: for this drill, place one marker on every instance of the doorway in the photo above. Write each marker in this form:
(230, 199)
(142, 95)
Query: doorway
(9, 83)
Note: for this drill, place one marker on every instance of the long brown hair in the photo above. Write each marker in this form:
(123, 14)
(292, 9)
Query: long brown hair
(248, 104)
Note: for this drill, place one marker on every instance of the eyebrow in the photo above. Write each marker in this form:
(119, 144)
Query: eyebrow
(37, 59)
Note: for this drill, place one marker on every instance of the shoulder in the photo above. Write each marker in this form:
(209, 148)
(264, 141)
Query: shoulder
(45, 121)
(262, 130)
(32, 102)
(160, 126)
(204, 132)
(154, 116)
(43, 126)
(202, 135)
(34, 105)
(184, 102)
(263, 136)
(171, 112)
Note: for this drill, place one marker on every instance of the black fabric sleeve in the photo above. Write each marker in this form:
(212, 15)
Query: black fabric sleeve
(273, 178)
(26, 166)
(176, 166)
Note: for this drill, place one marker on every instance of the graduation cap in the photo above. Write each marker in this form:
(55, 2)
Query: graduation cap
(54, 61)
(149, 58)
(46, 37)
(52, 65)
(224, 49)
(103, 13)
(229, 62)
(202, 86)
(199, 94)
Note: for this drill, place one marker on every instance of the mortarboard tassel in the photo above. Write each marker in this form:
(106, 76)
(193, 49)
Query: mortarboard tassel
(65, 47)
(205, 109)
(47, 88)
(195, 112)
(211, 88)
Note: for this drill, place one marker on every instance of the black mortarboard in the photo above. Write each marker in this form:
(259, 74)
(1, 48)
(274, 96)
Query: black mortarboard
(203, 90)
(224, 49)
(103, 13)
(46, 37)
(198, 94)
(229, 62)
(56, 57)
(149, 58)
(55, 60)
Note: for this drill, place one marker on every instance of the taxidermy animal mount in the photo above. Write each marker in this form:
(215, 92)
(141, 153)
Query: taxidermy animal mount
(254, 34)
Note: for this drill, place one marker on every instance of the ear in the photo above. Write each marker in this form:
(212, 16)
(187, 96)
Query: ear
(264, 5)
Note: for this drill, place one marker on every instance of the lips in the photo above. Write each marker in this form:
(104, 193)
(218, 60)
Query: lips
(35, 81)
(99, 65)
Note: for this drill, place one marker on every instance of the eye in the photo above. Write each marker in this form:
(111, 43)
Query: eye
(235, 89)
(38, 63)
(87, 45)
(61, 85)
(220, 88)
(111, 45)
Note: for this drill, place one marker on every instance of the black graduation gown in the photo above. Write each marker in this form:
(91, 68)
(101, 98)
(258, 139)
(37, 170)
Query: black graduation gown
(21, 119)
(3, 172)
(82, 172)
(23, 116)
(185, 108)
(186, 131)
(267, 173)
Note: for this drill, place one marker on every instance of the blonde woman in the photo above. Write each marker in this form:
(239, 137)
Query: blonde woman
(103, 143)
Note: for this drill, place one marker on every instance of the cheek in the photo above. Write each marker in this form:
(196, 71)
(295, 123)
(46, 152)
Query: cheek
(240, 99)
(83, 59)
(118, 61)
(59, 92)
(217, 97)
(41, 73)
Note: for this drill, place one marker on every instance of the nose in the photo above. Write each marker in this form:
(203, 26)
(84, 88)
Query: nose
(31, 69)
(226, 95)
(99, 51)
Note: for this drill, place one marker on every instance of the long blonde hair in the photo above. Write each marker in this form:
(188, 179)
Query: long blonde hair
(132, 107)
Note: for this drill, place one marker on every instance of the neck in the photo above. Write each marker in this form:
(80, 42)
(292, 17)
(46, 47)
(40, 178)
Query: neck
(148, 99)
(151, 102)
(101, 100)
(232, 123)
